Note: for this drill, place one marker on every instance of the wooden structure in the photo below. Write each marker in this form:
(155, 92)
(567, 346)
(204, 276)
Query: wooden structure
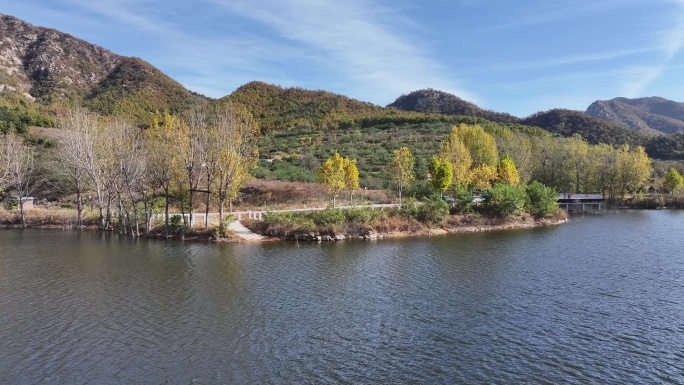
(575, 203)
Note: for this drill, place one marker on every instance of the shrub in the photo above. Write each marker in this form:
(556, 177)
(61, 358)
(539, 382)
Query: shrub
(176, 222)
(328, 217)
(361, 215)
(431, 210)
(463, 200)
(505, 200)
(541, 200)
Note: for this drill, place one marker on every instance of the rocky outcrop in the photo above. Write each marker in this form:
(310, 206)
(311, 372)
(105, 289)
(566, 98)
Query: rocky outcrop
(41, 61)
(652, 115)
(49, 66)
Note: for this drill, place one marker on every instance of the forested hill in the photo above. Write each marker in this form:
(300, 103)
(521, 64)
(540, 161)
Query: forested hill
(439, 102)
(279, 108)
(594, 130)
(652, 115)
(53, 69)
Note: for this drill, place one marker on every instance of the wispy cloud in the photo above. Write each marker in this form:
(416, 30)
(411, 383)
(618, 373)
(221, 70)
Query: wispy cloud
(669, 44)
(562, 10)
(356, 47)
(351, 39)
(567, 60)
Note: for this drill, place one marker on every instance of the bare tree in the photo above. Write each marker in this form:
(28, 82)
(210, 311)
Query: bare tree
(191, 155)
(21, 161)
(123, 164)
(77, 151)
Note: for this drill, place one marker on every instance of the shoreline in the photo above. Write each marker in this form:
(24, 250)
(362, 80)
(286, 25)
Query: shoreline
(207, 235)
(482, 225)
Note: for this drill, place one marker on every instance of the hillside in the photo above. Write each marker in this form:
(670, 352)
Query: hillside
(279, 108)
(594, 130)
(438, 102)
(53, 69)
(652, 115)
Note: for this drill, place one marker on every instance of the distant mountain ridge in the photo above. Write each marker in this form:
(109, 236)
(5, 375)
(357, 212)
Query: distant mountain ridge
(49, 66)
(652, 115)
(559, 121)
(594, 130)
(439, 102)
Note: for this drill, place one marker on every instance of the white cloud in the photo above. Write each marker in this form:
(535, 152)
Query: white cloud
(352, 40)
(669, 43)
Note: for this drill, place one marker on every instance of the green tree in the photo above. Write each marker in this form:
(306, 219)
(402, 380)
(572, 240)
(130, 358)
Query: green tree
(401, 169)
(441, 174)
(506, 171)
(578, 151)
(351, 177)
(541, 200)
(505, 200)
(634, 167)
(331, 175)
(673, 180)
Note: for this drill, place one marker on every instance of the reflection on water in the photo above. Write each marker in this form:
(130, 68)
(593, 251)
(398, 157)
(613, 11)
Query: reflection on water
(598, 300)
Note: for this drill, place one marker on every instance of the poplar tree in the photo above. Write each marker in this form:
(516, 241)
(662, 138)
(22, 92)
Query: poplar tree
(480, 144)
(401, 169)
(506, 172)
(332, 176)
(351, 177)
(453, 149)
(673, 181)
(441, 174)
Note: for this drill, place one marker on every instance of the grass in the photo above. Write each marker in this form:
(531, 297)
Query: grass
(56, 217)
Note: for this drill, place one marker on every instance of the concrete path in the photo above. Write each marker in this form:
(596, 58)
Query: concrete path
(241, 231)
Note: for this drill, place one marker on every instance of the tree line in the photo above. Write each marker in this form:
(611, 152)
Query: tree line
(472, 160)
(130, 173)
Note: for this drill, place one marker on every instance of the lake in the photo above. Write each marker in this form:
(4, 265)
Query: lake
(599, 300)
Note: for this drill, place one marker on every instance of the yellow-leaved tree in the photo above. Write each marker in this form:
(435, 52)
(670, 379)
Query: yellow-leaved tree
(351, 177)
(634, 167)
(506, 171)
(480, 144)
(332, 176)
(482, 177)
(401, 169)
(454, 150)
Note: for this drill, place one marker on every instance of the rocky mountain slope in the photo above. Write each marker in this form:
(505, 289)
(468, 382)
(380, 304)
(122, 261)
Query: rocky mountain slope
(49, 67)
(652, 115)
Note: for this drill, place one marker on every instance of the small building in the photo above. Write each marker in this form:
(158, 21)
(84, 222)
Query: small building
(583, 203)
(26, 201)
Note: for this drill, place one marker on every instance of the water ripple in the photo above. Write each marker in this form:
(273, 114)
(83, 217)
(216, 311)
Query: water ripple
(530, 306)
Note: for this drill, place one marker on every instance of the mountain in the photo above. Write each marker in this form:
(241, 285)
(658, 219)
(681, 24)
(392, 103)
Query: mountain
(568, 123)
(53, 68)
(439, 102)
(652, 115)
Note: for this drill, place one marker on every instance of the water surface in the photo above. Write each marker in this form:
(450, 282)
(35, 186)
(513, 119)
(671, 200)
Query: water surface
(600, 300)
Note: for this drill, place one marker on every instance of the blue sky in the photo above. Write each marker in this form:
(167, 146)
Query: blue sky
(518, 57)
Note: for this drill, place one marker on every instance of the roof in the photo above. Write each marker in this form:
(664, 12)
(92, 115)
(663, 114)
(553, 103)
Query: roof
(579, 197)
